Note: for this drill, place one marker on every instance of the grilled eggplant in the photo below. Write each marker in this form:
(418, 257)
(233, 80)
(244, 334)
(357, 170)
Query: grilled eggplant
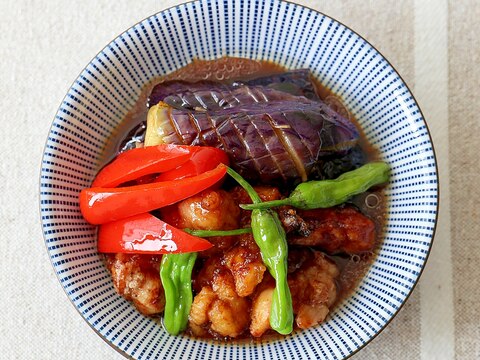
(275, 141)
(275, 129)
(214, 96)
(210, 95)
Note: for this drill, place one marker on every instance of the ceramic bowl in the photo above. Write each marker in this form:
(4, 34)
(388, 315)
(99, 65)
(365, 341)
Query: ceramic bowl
(290, 35)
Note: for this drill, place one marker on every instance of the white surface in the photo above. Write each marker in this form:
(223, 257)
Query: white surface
(432, 91)
(47, 44)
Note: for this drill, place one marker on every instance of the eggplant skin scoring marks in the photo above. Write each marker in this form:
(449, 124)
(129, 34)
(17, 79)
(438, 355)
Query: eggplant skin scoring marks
(275, 129)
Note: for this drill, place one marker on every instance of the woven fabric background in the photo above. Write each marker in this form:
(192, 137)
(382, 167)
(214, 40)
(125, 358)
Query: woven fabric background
(433, 44)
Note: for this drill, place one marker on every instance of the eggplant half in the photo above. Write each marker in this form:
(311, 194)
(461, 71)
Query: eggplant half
(275, 141)
(274, 129)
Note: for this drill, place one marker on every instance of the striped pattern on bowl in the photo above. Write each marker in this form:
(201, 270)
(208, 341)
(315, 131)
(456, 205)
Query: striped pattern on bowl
(295, 37)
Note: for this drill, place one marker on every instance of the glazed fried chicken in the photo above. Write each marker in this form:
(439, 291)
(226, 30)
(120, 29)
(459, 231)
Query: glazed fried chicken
(240, 196)
(260, 314)
(209, 210)
(245, 263)
(136, 277)
(312, 285)
(218, 307)
(228, 274)
(224, 284)
(311, 280)
(334, 230)
(232, 288)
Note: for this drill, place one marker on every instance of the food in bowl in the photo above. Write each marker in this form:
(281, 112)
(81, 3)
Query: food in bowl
(246, 203)
(94, 114)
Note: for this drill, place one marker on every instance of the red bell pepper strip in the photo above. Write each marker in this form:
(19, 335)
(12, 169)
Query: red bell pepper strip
(101, 205)
(135, 163)
(203, 158)
(146, 234)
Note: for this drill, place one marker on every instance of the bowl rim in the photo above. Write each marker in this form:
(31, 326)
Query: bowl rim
(122, 352)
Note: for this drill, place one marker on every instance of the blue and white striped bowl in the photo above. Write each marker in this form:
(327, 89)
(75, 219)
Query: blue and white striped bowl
(295, 37)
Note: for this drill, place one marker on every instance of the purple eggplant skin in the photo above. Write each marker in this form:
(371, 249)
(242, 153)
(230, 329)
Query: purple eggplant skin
(275, 129)
(134, 137)
(177, 88)
(272, 142)
(211, 95)
(295, 82)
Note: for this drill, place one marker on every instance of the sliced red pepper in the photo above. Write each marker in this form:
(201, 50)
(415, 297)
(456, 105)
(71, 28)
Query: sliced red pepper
(202, 159)
(146, 234)
(101, 205)
(135, 163)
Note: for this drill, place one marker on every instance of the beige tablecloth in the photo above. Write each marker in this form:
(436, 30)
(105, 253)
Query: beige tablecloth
(434, 45)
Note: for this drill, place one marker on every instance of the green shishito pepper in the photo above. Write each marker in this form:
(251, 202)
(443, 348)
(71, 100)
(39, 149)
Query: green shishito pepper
(176, 275)
(270, 237)
(327, 193)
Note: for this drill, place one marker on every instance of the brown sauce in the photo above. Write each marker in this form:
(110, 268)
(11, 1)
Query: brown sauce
(372, 203)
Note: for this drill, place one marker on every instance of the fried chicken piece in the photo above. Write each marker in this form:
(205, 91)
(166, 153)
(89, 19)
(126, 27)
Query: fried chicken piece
(266, 193)
(261, 306)
(336, 230)
(209, 210)
(312, 285)
(137, 278)
(208, 267)
(245, 263)
(221, 305)
(240, 196)
(219, 308)
(292, 222)
(311, 279)
(198, 318)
